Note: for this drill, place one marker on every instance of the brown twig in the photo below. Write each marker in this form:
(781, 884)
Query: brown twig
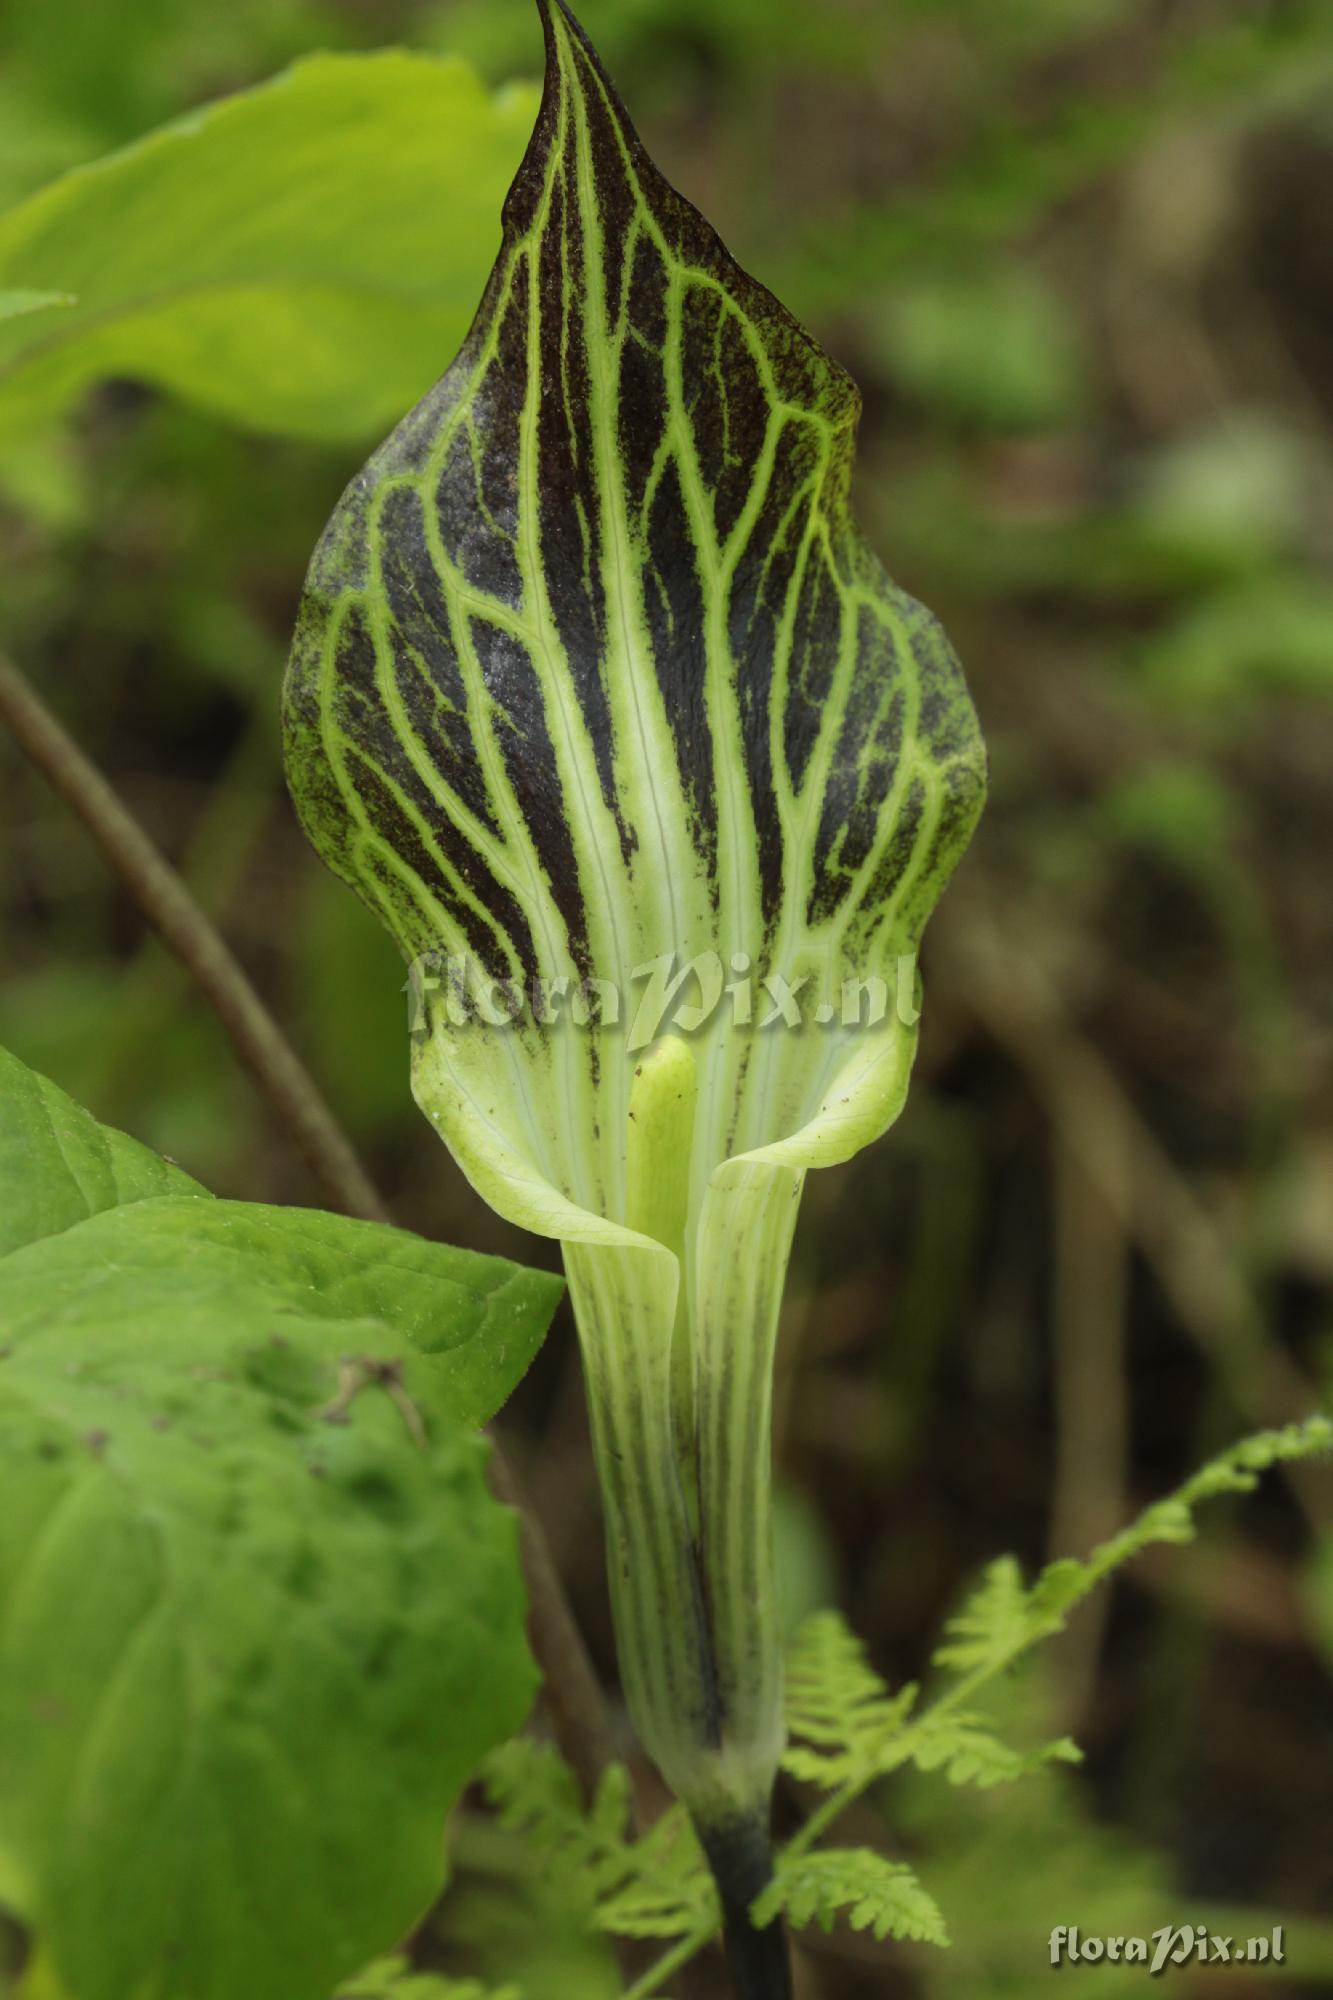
(578, 1709)
(169, 907)
(574, 1699)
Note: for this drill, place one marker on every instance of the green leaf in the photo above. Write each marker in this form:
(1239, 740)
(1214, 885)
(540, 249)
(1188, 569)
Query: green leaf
(595, 674)
(259, 1617)
(475, 1322)
(293, 258)
(876, 1894)
(59, 1166)
(160, 1240)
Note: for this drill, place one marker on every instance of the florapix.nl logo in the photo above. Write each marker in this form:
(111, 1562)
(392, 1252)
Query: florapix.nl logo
(1170, 1946)
(667, 992)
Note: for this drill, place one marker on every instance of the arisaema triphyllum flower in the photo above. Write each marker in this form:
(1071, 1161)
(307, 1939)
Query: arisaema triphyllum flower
(601, 701)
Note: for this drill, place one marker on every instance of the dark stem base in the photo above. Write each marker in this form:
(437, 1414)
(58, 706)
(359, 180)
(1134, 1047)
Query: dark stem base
(740, 1855)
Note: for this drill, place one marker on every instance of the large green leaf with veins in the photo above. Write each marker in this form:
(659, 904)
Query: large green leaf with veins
(595, 673)
(292, 258)
(475, 1321)
(259, 1617)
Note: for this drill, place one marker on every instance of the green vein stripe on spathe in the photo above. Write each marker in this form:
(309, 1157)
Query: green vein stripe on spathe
(594, 664)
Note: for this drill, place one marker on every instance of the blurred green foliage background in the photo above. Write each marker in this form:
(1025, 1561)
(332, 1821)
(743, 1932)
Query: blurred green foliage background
(1079, 254)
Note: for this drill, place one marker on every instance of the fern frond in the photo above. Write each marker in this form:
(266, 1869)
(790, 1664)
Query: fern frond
(876, 1894)
(669, 1890)
(993, 1625)
(850, 1731)
(1004, 1617)
(1236, 1470)
(397, 1979)
(968, 1751)
(659, 1886)
(831, 1686)
(535, 1794)
(838, 1706)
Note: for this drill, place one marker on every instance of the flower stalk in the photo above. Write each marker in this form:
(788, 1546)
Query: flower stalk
(681, 1422)
(601, 701)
